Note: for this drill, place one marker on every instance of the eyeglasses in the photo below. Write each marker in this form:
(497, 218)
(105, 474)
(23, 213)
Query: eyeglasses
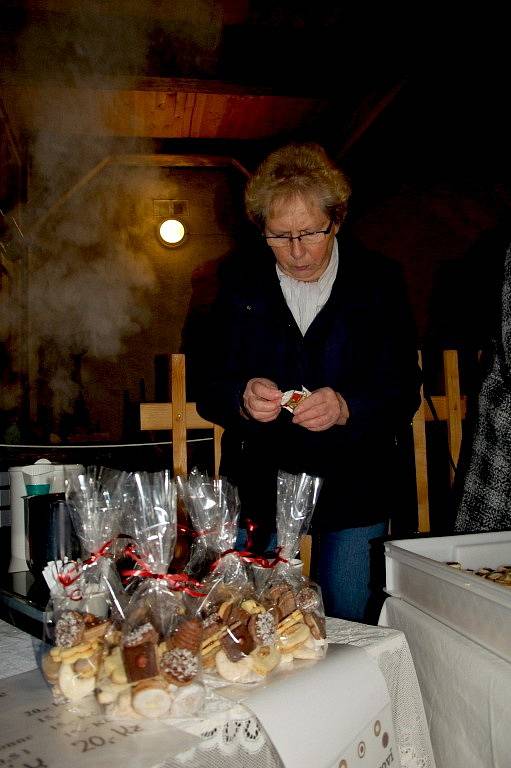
(308, 238)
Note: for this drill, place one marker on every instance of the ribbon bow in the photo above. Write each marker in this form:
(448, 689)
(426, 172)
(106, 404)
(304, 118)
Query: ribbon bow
(73, 574)
(176, 581)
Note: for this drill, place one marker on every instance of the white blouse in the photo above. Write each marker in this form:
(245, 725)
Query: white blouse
(305, 299)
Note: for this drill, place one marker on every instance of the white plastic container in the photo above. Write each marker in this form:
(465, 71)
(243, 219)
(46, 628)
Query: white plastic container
(416, 571)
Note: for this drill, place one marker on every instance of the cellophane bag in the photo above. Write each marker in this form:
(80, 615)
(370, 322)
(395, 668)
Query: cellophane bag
(239, 641)
(86, 595)
(154, 670)
(295, 600)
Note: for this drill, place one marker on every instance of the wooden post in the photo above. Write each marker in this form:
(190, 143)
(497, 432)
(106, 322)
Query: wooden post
(421, 462)
(452, 393)
(305, 554)
(178, 398)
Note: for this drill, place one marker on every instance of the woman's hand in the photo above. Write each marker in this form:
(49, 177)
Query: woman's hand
(261, 399)
(324, 408)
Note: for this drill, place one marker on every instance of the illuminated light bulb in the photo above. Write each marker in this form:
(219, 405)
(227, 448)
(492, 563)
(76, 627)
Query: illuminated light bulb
(172, 231)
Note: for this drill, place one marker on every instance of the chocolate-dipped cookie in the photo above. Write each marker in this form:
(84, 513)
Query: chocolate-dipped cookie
(139, 653)
(188, 635)
(237, 642)
(262, 627)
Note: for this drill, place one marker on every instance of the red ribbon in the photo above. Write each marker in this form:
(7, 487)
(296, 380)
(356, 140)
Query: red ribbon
(186, 530)
(66, 579)
(177, 581)
(100, 553)
(249, 557)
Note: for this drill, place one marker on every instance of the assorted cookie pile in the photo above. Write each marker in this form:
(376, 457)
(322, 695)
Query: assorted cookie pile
(168, 634)
(71, 666)
(142, 671)
(151, 676)
(245, 640)
(499, 575)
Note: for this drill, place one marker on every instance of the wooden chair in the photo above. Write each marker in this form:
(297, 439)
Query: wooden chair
(178, 416)
(450, 408)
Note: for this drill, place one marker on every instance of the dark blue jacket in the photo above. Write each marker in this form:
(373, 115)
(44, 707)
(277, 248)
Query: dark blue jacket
(362, 344)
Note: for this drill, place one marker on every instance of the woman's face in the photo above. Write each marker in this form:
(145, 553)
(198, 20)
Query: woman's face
(298, 259)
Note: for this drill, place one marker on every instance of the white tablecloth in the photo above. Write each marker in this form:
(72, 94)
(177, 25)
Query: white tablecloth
(465, 688)
(230, 736)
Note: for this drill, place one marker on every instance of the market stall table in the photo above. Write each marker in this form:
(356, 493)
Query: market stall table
(466, 689)
(231, 735)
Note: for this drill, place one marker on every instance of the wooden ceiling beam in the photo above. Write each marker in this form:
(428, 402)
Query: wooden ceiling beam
(160, 112)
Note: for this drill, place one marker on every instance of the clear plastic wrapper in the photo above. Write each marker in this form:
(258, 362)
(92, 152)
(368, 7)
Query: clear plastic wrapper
(154, 669)
(294, 600)
(239, 641)
(94, 499)
(213, 510)
(86, 596)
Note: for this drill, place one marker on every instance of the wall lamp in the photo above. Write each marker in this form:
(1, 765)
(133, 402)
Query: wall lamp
(171, 232)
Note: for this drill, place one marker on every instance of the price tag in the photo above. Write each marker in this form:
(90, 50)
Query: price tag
(36, 733)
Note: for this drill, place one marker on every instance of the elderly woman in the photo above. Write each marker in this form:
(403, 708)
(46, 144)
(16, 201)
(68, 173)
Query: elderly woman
(308, 307)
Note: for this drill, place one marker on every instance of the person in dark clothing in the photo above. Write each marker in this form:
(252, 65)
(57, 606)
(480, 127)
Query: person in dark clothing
(485, 499)
(306, 306)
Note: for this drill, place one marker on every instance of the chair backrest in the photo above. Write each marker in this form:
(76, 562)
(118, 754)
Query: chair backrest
(179, 416)
(450, 408)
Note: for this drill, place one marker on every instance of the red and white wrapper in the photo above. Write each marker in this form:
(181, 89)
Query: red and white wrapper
(293, 397)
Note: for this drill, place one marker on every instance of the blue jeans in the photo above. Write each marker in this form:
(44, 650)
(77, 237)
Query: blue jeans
(241, 542)
(341, 566)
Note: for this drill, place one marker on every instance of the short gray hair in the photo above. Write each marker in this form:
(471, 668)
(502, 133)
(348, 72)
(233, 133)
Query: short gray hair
(297, 169)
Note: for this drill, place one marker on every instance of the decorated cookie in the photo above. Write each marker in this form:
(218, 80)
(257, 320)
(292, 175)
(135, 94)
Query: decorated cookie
(262, 628)
(139, 653)
(69, 629)
(179, 666)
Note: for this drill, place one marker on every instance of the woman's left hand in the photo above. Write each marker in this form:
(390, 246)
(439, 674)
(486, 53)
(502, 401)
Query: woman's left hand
(324, 408)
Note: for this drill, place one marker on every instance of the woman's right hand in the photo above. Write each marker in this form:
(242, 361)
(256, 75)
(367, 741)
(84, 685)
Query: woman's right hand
(261, 399)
